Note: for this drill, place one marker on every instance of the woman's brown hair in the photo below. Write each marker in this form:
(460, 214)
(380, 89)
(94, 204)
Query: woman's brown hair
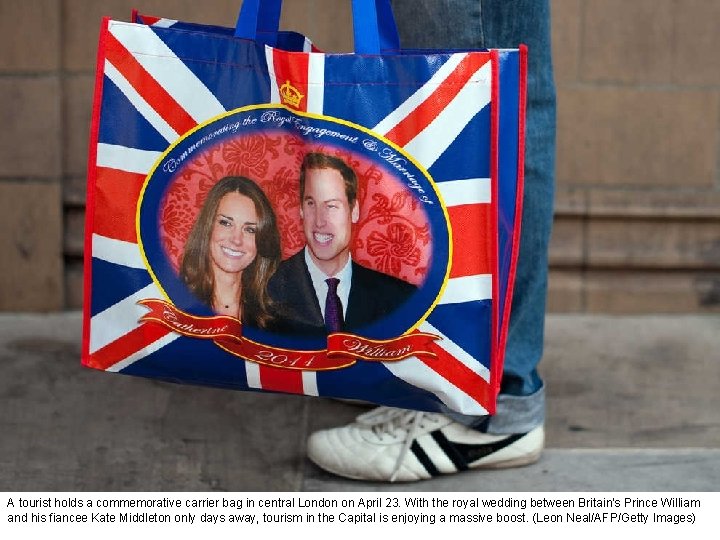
(196, 266)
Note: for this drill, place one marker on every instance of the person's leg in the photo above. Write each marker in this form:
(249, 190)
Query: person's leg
(506, 24)
(394, 444)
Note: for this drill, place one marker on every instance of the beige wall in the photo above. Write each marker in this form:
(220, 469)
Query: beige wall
(638, 202)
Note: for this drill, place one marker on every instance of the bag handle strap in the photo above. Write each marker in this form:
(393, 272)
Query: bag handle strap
(387, 27)
(374, 25)
(258, 16)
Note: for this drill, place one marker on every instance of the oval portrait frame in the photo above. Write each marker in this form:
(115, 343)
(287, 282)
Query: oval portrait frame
(314, 129)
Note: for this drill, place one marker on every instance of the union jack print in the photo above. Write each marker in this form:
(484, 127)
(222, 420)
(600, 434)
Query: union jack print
(159, 79)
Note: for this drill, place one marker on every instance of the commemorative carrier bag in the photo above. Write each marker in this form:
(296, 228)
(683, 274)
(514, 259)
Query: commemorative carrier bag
(264, 216)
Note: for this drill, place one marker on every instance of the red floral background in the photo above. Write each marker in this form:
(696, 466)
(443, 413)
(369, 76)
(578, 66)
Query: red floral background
(392, 236)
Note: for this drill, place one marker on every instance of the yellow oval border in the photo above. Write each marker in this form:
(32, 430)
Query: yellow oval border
(316, 117)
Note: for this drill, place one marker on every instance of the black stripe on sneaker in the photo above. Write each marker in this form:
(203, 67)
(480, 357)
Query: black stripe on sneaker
(456, 457)
(424, 459)
(475, 452)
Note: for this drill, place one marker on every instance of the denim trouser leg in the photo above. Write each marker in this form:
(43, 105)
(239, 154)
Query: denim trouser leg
(506, 24)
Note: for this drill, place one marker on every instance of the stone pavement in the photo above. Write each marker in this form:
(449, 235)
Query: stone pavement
(634, 405)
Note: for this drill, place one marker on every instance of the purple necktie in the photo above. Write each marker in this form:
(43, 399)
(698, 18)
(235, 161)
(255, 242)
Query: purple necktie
(333, 307)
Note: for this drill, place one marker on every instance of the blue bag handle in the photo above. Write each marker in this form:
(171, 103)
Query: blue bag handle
(374, 25)
(258, 16)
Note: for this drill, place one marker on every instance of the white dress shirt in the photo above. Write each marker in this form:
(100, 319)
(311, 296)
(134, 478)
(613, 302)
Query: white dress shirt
(318, 278)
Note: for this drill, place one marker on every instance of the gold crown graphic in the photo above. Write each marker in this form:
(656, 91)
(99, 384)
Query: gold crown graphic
(291, 95)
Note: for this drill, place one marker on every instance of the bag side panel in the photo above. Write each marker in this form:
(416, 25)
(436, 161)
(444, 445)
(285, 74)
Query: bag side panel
(90, 191)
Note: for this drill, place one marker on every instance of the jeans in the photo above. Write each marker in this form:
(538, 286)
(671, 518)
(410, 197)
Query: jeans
(448, 24)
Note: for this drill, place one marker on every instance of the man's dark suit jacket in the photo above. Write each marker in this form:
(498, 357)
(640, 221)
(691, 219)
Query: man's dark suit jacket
(373, 295)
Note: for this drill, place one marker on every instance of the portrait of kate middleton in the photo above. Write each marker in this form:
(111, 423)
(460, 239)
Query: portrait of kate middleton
(232, 251)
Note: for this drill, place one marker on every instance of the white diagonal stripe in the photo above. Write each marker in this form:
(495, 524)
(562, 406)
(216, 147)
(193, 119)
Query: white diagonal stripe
(417, 373)
(410, 104)
(117, 252)
(164, 23)
(456, 351)
(468, 191)
(274, 88)
(146, 351)
(430, 143)
(316, 82)
(119, 319)
(150, 114)
(168, 70)
(467, 289)
(126, 159)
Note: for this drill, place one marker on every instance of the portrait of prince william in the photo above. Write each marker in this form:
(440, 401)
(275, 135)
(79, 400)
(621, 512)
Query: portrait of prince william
(320, 289)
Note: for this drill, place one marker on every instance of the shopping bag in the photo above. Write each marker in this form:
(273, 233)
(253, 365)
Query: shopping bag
(268, 218)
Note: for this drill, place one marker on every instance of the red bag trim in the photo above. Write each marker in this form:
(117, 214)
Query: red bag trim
(522, 105)
(91, 183)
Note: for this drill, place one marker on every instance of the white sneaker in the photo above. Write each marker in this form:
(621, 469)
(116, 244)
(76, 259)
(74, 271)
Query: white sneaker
(389, 444)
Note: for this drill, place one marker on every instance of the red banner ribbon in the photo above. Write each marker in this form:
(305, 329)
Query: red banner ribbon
(418, 344)
(343, 349)
(164, 313)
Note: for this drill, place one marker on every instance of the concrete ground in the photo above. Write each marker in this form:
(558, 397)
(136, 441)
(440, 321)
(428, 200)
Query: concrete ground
(634, 405)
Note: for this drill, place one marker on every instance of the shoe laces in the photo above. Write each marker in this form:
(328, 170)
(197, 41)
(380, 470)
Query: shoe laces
(396, 423)
(379, 415)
